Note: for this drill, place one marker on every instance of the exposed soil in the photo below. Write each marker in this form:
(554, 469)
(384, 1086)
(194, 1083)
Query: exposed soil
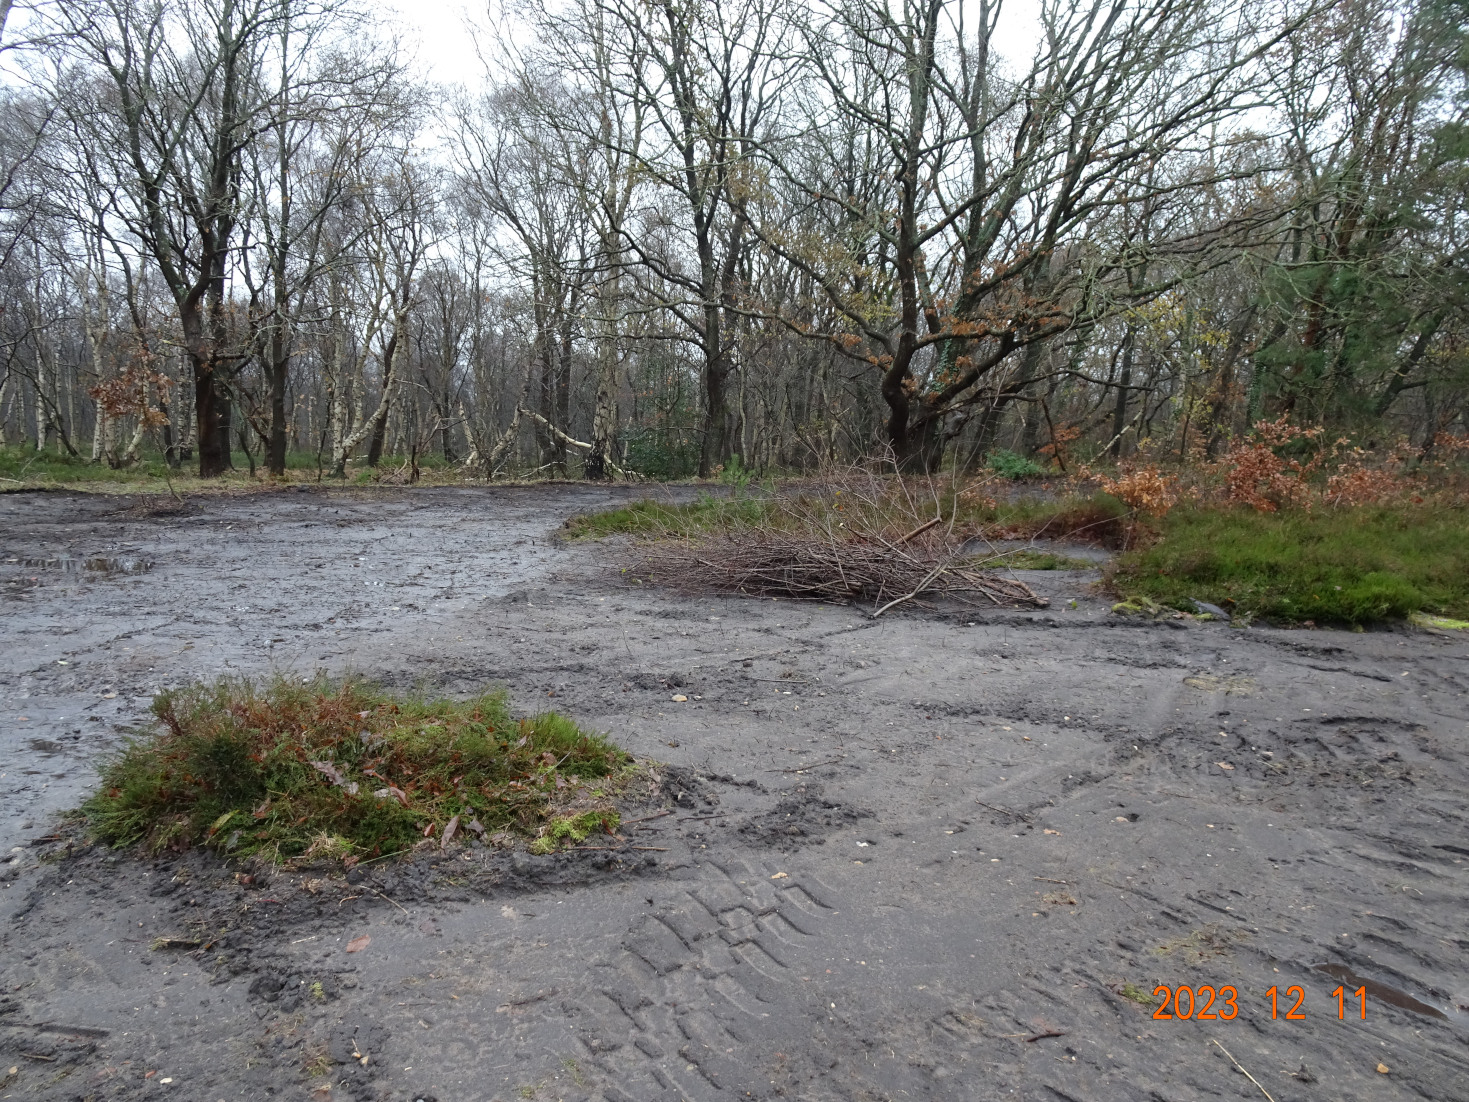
(929, 856)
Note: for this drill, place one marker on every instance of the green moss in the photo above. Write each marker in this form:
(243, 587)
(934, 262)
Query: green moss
(1028, 558)
(323, 769)
(1141, 606)
(1134, 993)
(1441, 623)
(573, 829)
(1348, 566)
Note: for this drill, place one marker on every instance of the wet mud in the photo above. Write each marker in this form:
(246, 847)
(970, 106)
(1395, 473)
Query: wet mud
(944, 856)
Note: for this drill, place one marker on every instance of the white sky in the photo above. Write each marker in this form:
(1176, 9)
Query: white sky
(436, 35)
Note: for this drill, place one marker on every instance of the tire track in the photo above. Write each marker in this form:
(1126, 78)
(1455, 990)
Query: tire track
(687, 1008)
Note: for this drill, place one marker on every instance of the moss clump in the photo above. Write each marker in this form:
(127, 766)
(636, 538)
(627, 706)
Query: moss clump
(1330, 565)
(1133, 993)
(1029, 558)
(567, 830)
(339, 770)
(1142, 606)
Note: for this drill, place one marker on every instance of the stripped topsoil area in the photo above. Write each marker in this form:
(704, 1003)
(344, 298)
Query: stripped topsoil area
(940, 856)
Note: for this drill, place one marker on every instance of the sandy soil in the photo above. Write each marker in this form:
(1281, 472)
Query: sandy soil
(920, 857)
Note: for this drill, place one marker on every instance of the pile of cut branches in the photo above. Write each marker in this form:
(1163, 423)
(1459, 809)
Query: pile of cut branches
(831, 568)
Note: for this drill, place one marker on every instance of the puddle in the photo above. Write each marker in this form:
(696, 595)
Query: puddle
(1381, 991)
(97, 564)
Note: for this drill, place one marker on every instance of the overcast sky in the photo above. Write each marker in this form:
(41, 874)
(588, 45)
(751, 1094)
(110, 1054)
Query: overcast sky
(435, 34)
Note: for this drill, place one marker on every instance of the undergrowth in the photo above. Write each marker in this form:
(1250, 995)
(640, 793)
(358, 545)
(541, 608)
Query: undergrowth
(345, 770)
(1008, 464)
(853, 508)
(1344, 566)
(660, 518)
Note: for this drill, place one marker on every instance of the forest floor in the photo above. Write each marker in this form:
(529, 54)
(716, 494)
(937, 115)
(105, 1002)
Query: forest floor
(936, 855)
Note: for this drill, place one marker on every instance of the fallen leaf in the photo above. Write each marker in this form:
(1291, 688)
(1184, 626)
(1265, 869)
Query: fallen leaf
(780, 876)
(330, 772)
(393, 791)
(679, 698)
(1223, 765)
(357, 944)
(449, 832)
(1383, 1069)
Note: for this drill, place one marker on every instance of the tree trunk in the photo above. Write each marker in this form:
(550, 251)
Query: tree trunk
(211, 422)
(1119, 411)
(380, 428)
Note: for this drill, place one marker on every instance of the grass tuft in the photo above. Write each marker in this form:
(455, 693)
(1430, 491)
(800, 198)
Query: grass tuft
(1347, 566)
(662, 519)
(341, 771)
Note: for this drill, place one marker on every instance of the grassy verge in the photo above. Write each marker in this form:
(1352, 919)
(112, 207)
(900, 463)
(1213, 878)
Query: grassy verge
(344, 770)
(1349, 565)
(21, 468)
(815, 509)
(663, 519)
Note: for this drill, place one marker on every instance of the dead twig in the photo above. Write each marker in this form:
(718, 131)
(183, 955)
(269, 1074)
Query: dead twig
(803, 768)
(1047, 1033)
(932, 574)
(1005, 811)
(1247, 1075)
(922, 528)
(645, 818)
(394, 902)
(840, 569)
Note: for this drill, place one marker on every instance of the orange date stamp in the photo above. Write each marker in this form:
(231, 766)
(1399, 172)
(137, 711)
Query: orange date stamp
(1221, 1004)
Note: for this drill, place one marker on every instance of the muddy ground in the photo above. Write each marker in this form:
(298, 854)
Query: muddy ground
(921, 857)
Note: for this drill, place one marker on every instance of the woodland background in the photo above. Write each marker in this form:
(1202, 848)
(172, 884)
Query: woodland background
(679, 237)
